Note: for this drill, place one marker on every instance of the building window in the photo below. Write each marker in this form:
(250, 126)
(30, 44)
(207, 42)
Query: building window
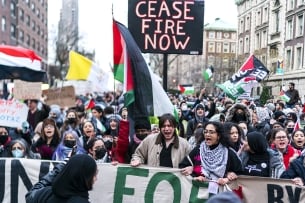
(247, 45)
(233, 36)
(38, 30)
(33, 25)
(21, 35)
(300, 25)
(13, 31)
(290, 5)
(276, 21)
(42, 18)
(21, 14)
(289, 32)
(247, 23)
(218, 35)
(241, 26)
(33, 7)
(38, 13)
(28, 3)
(240, 47)
(226, 47)
(298, 59)
(3, 2)
(264, 39)
(258, 18)
(33, 43)
(233, 47)
(28, 40)
(265, 15)
(218, 47)
(28, 20)
(288, 59)
(211, 47)
(257, 41)
(300, 2)
(3, 24)
(212, 35)
(13, 9)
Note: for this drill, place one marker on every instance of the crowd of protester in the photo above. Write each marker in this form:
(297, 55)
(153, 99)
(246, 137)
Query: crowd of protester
(213, 137)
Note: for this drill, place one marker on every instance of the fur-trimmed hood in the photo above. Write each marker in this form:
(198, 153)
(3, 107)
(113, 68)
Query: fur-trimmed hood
(233, 109)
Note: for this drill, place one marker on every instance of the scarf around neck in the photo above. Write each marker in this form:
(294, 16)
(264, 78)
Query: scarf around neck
(213, 161)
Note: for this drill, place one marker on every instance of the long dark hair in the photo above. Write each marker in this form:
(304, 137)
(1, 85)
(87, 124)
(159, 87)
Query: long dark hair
(220, 132)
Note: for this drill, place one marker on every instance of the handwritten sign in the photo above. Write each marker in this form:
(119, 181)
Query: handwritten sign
(27, 90)
(12, 113)
(168, 26)
(64, 97)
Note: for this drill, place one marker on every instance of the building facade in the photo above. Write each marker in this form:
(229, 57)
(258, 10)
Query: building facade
(274, 29)
(219, 51)
(24, 23)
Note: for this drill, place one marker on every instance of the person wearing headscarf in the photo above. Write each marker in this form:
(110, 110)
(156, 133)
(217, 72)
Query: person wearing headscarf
(5, 140)
(68, 182)
(199, 117)
(258, 159)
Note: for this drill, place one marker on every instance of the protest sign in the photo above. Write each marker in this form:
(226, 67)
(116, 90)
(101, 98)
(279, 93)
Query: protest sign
(12, 113)
(64, 96)
(27, 90)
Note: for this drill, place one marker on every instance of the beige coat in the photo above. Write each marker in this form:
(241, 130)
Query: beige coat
(148, 152)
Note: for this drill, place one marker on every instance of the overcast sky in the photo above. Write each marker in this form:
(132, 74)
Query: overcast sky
(95, 21)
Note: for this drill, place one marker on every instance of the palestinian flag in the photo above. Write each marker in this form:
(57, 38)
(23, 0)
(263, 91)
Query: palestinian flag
(149, 97)
(284, 96)
(122, 65)
(208, 73)
(20, 63)
(187, 90)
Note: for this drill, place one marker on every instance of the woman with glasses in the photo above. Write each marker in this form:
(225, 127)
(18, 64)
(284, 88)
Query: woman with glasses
(258, 159)
(281, 144)
(19, 148)
(48, 140)
(213, 159)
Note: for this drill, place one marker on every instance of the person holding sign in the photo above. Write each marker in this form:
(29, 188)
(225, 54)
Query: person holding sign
(212, 160)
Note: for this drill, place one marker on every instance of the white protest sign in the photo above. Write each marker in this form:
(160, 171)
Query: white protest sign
(12, 113)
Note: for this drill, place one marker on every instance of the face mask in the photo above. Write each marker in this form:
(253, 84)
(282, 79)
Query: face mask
(245, 132)
(184, 108)
(141, 136)
(100, 153)
(239, 117)
(17, 153)
(289, 130)
(69, 143)
(282, 120)
(71, 120)
(108, 144)
(3, 139)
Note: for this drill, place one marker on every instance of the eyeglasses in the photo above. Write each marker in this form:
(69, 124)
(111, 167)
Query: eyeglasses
(281, 137)
(49, 126)
(209, 132)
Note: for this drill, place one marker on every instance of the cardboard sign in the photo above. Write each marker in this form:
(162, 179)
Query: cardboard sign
(27, 90)
(64, 97)
(12, 113)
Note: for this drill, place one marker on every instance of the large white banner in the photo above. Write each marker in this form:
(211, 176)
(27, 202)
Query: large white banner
(125, 184)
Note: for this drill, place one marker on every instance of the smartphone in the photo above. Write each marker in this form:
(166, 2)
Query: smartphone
(74, 149)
